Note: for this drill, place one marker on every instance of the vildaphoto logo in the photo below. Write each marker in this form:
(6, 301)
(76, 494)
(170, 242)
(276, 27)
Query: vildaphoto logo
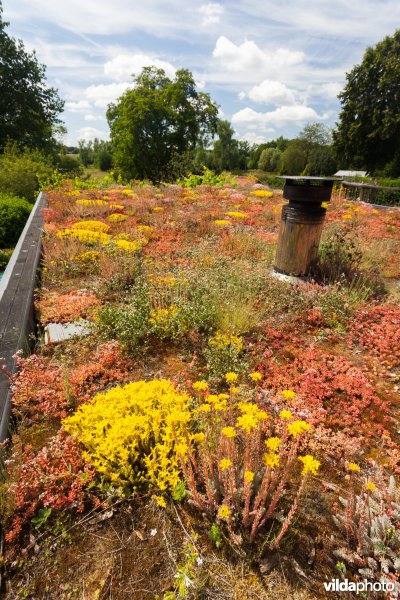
(338, 585)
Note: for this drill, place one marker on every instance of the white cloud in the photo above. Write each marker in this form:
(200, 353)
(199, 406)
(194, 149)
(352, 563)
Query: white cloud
(330, 90)
(254, 138)
(248, 56)
(211, 13)
(91, 117)
(101, 95)
(81, 106)
(274, 92)
(89, 133)
(124, 66)
(278, 117)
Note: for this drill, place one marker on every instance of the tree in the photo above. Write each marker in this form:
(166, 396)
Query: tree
(269, 159)
(368, 132)
(158, 121)
(28, 108)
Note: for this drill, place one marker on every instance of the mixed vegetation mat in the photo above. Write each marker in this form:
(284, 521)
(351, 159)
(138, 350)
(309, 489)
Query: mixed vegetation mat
(219, 432)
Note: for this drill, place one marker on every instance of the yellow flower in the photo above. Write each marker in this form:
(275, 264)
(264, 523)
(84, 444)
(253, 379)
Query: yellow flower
(117, 206)
(198, 437)
(224, 512)
(225, 463)
(181, 449)
(117, 218)
(84, 202)
(234, 390)
(311, 465)
(273, 443)
(205, 408)
(249, 408)
(256, 376)
(271, 460)
(223, 340)
(236, 215)
(228, 432)
(200, 386)
(371, 487)
(157, 208)
(221, 222)
(212, 398)
(248, 476)
(91, 226)
(286, 415)
(354, 467)
(161, 501)
(324, 204)
(298, 427)
(231, 377)
(131, 246)
(288, 394)
(262, 194)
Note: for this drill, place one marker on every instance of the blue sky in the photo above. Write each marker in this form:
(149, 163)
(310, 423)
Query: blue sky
(271, 66)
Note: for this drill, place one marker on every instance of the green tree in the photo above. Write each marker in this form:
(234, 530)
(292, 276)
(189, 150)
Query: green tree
(28, 108)
(269, 159)
(158, 121)
(368, 131)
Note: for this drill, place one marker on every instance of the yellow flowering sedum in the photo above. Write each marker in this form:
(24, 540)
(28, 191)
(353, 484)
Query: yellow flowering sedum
(224, 512)
(117, 218)
(86, 236)
(236, 215)
(225, 463)
(231, 377)
(298, 427)
(273, 443)
(271, 460)
(370, 487)
(229, 432)
(354, 467)
(262, 194)
(251, 416)
(85, 202)
(286, 415)
(310, 464)
(288, 394)
(248, 476)
(200, 386)
(222, 222)
(134, 246)
(256, 376)
(92, 226)
(224, 340)
(130, 432)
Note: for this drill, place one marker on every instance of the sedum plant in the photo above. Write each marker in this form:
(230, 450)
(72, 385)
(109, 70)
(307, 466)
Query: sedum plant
(129, 433)
(370, 521)
(244, 460)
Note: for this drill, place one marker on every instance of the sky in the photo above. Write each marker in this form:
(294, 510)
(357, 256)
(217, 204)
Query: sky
(272, 66)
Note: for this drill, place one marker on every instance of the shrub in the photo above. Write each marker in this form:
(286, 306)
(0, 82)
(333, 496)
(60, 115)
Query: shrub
(20, 172)
(5, 255)
(130, 433)
(207, 178)
(338, 258)
(387, 197)
(14, 213)
(70, 166)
